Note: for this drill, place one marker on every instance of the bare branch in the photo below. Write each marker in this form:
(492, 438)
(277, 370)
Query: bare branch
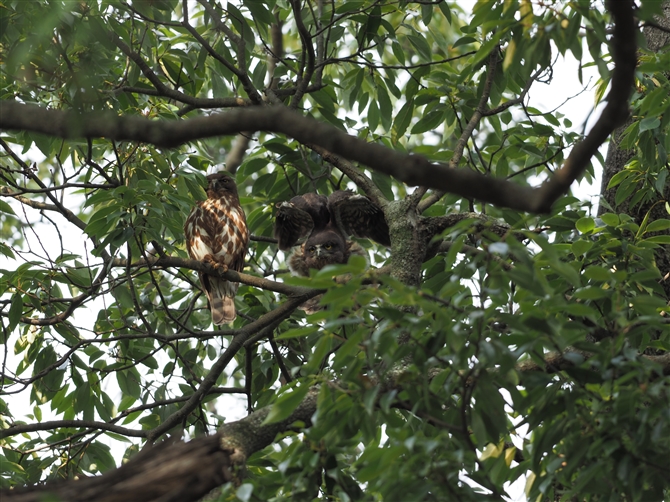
(554, 362)
(250, 280)
(236, 154)
(304, 77)
(91, 424)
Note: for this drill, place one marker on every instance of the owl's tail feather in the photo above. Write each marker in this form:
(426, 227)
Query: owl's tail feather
(223, 310)
(222, 301)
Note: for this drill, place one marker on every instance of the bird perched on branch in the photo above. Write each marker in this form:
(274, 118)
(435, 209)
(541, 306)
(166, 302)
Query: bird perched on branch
(323, 224)
(216, 233)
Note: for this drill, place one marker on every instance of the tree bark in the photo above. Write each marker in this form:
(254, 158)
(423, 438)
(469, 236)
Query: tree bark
(617, 158)
(175, 471)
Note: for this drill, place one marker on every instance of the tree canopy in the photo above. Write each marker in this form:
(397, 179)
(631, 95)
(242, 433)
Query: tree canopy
(511, 331)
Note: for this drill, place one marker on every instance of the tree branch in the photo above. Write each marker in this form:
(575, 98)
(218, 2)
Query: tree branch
(270, 318)
(308, 50)
(164, 90)
(624, 52)
(187, 471)
(91, 424)
(411, 169)
(466, 135)
(361, 180)
(558, 361)
(231, 275)
(169, 471)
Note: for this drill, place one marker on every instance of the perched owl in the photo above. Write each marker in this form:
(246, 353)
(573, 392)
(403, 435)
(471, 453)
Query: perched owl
(323, 225)
(216, 232)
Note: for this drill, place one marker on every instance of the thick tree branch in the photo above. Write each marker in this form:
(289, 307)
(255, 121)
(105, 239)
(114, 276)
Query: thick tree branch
(167, 472)
(175, 471)
(411, 169)
(624, 52)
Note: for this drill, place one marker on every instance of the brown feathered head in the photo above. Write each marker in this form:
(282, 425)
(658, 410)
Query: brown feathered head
(325, 248)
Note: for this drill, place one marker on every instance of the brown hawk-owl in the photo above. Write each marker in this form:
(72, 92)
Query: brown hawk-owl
(216, 232)
(325, 223)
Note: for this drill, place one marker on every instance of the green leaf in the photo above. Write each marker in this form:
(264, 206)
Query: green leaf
(581, 247)
(385, 106)
(649, 123)
(610, 219)
(599, 274)
(260, 12)
(286, 404)
(15, 310)
(590, 293)
(383, 182)
(6, 251)
(585, 225)
(402, 120)
(6, 208)
(297, 332)
(373, 116)
(658, 239)
(658, 225)
(444, 7)
(421, 46)
(464, 41)
(398, 52)
(428, 122)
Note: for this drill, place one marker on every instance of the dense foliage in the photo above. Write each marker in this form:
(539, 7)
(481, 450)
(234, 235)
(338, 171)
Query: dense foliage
(487, 345)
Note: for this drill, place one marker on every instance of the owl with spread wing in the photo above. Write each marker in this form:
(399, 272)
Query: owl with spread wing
(323, 224)
(216, 232)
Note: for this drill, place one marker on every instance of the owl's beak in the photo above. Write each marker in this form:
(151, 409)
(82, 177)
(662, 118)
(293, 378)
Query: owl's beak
(318, 250)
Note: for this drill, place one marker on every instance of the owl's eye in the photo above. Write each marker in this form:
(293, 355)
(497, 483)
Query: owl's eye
(328, 246)
(312, 249)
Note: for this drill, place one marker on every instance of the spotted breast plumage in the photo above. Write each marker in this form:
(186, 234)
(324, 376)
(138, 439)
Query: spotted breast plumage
(216, 232)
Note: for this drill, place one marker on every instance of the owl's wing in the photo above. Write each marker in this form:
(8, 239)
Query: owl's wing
(317, 207)
(357, 215)
(292, 224)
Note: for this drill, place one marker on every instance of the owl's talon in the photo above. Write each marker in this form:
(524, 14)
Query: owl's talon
(215, 264)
